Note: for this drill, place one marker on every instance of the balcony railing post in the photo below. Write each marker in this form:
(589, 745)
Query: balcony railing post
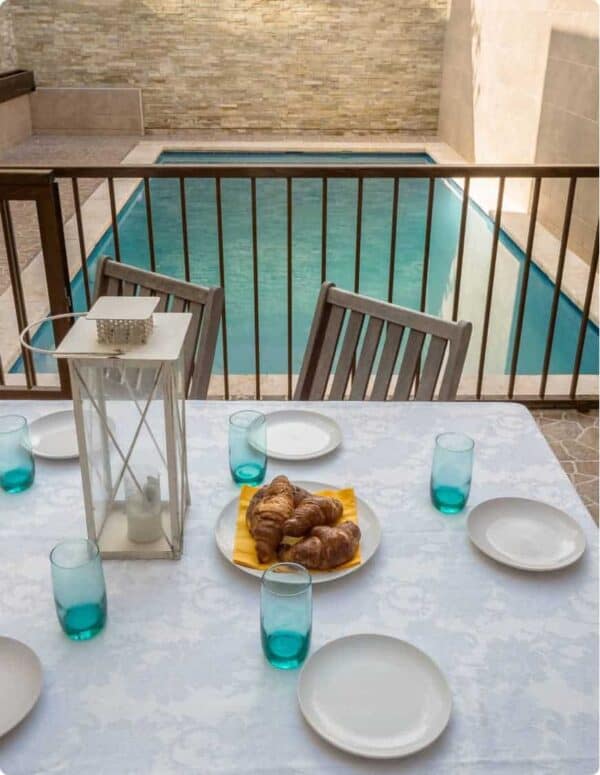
(290, 285)
(221, 251)
(585, 316)
(256, 292)
(461, 247)
(557, 284)
(490, 286)
(393, 236)
(524, 283)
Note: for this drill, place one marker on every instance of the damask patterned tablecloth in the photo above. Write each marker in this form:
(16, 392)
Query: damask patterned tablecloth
(177, 682)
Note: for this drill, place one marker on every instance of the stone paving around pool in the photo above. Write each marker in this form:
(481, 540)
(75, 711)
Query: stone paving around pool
(54, 150)
(573, 437)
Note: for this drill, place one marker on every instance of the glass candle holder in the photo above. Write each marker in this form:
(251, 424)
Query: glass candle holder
(17, 467)
(451, 472)
(286, 614)
(248, 447)
(79, 590)
(143, 505)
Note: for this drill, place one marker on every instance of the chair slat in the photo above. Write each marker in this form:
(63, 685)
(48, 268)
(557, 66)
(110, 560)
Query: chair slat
(387, 362)
(366, 359)
(431, 369)
(459, 344)
(163, 302)
(330, 340)
(409, 364)
(179, 304)
(127, 288)
(112, 287)
(344, 364)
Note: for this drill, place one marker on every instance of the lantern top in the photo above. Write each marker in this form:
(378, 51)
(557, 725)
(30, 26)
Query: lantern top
(165, 343)
(123, 308)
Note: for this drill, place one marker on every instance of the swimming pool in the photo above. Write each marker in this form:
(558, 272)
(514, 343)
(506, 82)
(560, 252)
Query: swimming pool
(341, 235)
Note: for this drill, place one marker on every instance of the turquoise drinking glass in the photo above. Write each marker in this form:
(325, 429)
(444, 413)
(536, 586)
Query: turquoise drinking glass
(451, 472)
(17, 468)
(286, 614)
(78, 585)
(248, 447)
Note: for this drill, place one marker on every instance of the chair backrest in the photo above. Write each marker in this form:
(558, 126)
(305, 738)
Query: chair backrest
(205, 305)
(446, 340)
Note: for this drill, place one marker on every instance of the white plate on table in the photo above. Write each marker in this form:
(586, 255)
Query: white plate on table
(367, 521)
(526, 534)
(374, 696)
(296, 434)
(20, 682)
(54, 437)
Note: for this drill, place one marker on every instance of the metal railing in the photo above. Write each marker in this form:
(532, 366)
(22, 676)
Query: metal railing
(18, 183)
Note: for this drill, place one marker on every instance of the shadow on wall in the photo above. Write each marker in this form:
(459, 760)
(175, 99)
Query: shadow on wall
(458, 89)
(568, 133)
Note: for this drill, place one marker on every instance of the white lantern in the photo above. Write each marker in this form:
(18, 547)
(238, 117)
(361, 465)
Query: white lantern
(129, 405)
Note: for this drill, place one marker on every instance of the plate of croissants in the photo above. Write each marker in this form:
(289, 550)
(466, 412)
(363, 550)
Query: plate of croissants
(302, 522)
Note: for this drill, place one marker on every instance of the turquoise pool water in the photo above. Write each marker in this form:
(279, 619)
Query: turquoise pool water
(341, 234)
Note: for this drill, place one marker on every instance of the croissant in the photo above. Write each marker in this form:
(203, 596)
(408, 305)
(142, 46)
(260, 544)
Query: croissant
(267, 512)
(314, 510)
(325, 548)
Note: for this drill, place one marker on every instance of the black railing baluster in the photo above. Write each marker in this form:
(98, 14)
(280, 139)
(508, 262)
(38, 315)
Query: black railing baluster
(359, 206)
(184, 230)
(290, 284)
(585, 315)
(149, 224)
(17, 288)
(113, 218)
(324, 231)
(461, 247)
(557, 284)
(526, 269)
(427, 244)
(256, 293)
(221, 251)
(425, 272)
(490, 286)
(80, 235)
(393, 234)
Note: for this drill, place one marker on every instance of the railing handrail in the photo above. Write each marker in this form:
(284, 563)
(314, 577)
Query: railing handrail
(315, 171)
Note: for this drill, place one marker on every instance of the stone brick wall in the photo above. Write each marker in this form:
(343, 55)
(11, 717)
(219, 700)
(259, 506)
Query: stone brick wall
(248, 65)
(8, 56)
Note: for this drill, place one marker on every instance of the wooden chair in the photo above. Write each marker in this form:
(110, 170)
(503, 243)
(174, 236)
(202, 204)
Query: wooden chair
(205, 305)
(332, 306)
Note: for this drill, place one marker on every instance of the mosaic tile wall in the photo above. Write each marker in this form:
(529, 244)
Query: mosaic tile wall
(332, 65)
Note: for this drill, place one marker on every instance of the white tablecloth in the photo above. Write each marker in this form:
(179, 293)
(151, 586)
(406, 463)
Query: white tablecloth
(177, 682)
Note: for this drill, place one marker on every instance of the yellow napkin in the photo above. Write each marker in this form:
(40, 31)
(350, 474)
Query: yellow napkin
(244, 550)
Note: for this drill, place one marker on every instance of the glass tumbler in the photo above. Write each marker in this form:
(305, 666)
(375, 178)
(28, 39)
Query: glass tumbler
(17, 468)
(78, 585)
(286, 614)
(248, 447)
(451, 472)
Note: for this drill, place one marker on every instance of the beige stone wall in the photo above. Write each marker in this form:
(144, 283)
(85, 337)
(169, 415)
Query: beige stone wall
(8, 56)
(520, 84)
(331, 65)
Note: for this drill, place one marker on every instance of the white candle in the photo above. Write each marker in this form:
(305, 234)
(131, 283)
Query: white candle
(143, 509)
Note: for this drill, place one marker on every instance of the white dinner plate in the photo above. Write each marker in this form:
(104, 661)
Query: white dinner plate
(296, 434)
(20, 682)
(53, 436)
(374, 696)
(367, 521)
(525, 534)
